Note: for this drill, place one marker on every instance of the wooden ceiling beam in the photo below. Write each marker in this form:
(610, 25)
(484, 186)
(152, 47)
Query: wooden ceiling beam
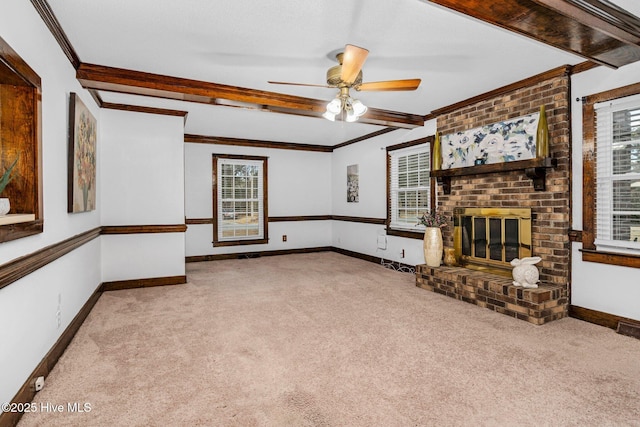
(98, 77)
(606, 17)
(598, 31)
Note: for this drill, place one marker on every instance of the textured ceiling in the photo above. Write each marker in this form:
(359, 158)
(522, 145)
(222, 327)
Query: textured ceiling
(246, 43)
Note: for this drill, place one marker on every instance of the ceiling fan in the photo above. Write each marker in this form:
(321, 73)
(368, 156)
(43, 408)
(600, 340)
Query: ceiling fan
(347, 75)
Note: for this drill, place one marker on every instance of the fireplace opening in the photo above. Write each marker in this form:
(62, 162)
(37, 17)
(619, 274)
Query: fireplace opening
(489, 238)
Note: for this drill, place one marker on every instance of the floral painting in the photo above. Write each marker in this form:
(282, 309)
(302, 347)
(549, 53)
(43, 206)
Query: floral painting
(81, 157)
(500, 142)
(352, 184)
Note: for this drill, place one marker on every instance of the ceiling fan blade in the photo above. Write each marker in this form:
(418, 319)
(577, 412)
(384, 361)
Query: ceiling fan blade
(297, 84)
(352, 62)
(408, 84)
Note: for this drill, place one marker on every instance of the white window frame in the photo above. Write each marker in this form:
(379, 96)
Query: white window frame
(221, 223)
(605, 176)
(424, 185)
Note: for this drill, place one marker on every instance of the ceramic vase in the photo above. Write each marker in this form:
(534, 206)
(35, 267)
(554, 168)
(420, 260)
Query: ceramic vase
(432, 246)
(436, 156)
(542, 135)
(4, 206)
(449, 257)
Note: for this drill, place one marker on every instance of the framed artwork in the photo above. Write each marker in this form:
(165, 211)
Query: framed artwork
(81, 157)
(353, 192)
(500, 142)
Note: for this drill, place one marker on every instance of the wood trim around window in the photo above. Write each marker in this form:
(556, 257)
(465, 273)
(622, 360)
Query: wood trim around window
(589, 251)
(418, 234)
(265, 200)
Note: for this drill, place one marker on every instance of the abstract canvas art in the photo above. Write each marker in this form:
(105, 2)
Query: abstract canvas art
(81, 157)
(500, 142)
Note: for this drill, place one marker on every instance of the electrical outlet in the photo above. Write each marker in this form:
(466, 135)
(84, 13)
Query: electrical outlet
(284, 237)
(38, 384)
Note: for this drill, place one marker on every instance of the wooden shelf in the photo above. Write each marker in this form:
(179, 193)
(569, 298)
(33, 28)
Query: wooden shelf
(534, 168)
(16, 218)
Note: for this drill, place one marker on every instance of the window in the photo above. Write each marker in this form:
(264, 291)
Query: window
(409, 183)
(618, 174)
(611, 176)
(239, 200)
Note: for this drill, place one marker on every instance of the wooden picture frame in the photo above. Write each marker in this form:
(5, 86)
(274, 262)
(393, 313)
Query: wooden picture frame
(81, 161)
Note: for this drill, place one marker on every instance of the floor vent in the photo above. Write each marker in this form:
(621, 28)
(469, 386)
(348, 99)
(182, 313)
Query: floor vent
(629, 329)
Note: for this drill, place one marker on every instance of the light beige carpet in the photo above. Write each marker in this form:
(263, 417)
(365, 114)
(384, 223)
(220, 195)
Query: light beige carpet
(327, 340)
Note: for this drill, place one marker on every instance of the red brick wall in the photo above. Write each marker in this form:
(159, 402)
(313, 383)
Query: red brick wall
(551, 209)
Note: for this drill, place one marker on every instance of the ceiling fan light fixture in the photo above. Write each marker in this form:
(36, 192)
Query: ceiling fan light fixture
(358, 107)
(329, 116)
(353, 109)
(351, 117)
(335, 106)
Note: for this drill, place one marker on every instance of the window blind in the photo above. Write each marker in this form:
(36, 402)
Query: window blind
(409, 186)
(618, 174)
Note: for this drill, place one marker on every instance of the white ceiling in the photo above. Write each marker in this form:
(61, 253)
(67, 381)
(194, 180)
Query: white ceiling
(245, 43)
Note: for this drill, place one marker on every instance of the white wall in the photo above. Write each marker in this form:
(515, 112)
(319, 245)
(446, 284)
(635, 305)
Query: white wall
(607, 288)
(371, 158)
(28, 307)
(142, 183)
(298, 185)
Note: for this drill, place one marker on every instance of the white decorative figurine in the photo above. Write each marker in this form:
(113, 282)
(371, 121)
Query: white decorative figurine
(525, 273)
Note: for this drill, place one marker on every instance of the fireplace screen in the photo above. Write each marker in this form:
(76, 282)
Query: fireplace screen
(491, 237)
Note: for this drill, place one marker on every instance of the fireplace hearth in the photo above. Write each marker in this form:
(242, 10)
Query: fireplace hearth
(535, 305)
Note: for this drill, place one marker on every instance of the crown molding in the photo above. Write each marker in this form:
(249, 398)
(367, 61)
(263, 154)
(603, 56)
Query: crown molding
(50, 20)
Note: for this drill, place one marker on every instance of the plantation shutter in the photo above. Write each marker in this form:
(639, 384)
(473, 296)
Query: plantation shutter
(618, 174)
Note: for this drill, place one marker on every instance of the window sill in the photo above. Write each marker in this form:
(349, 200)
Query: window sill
(419, 234)
(240, 242)
(612, 258)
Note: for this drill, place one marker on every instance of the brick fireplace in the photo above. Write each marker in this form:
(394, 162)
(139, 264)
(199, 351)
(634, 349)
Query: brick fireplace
(492, 188)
